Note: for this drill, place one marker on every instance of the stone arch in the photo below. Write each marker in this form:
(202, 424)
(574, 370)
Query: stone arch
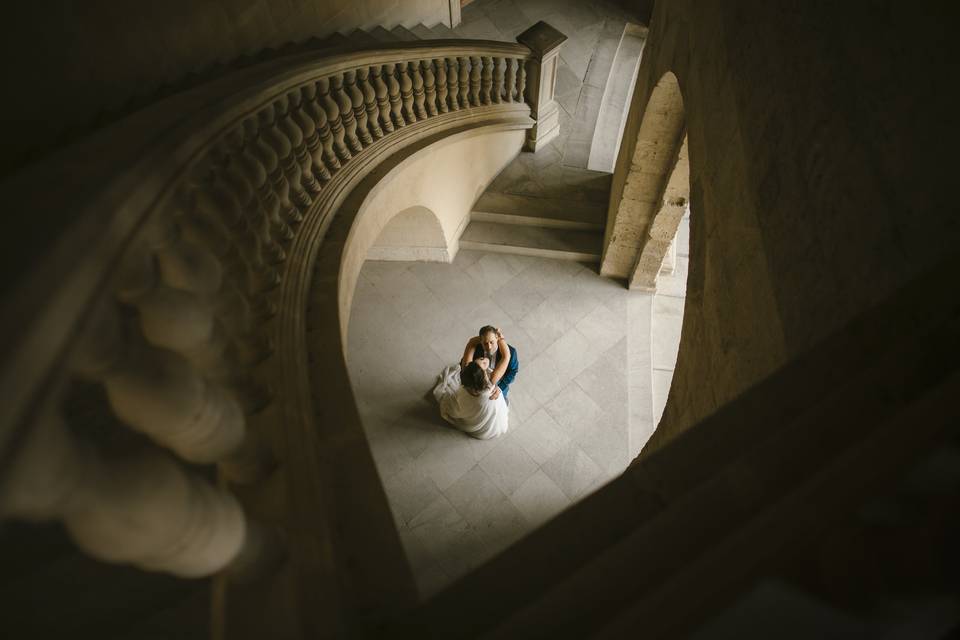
(646, 205)
(415, 233)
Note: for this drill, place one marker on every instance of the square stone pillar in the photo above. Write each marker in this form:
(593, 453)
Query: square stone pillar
(544, 41)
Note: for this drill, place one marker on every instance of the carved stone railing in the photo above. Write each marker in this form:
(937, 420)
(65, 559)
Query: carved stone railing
(163, 314)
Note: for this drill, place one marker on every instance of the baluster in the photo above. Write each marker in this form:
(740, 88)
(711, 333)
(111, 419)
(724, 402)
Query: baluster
(266, 200)
(246, 178)
(453, 84)
(311, 105)
(406, 93)
(441, 85)
(383, 100)
(218, 214)
(290, 127)
(140, 508)
(345, 107)
(246, 266)
(475, 82)
(429, 87)
(156, 391)
(510, 85)
(359, 111)
(277, 187)
(418, 90)
(370, 102)
(393, 85)
(311, 138)
(496, 95)
(464, 82)
(332, 110)
(273, 131)
(487, 83)
(522, 81)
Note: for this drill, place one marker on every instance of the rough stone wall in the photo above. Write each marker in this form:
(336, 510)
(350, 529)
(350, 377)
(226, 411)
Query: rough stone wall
(821, 142)
(65, 62)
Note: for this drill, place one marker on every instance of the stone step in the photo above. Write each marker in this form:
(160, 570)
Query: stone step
(553, 213)
(423, 32)
(441, 31)
(403, 34)
(336, 40)
(359, 37)
(382, 35)
(615, 103)
(583, 101)
(561, 244)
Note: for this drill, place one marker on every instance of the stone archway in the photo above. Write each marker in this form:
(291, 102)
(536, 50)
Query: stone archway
(647, 205)
(414, 233)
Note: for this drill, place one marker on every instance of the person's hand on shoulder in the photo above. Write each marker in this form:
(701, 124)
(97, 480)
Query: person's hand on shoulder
(496, 393)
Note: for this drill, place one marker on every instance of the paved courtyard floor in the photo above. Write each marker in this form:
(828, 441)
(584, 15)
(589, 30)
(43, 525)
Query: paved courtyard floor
(458, 501)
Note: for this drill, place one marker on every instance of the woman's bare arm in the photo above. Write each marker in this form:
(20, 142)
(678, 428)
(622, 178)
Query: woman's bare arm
(504, 360)
(468, 351)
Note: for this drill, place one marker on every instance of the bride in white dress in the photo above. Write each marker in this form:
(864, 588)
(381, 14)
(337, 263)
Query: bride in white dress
(465, 402)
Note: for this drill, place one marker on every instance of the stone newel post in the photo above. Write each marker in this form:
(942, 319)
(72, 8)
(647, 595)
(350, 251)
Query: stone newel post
(544, 41)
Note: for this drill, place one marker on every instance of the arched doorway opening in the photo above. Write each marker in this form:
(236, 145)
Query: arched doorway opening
(412, 234)
(646, 247)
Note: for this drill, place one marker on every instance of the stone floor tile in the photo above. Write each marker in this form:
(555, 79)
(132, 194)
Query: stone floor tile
(448, 282)
(446, 458)
(668, 306)
(431, 580)
(606, 444)
(541, 437)
(501, 525)
(662, 378)
(572, 308)
(605, 383)
(419, 424)
(545, 378)
(410, 491)
(665, 339)
(492, 271)
(453, 542)
(539, 499)
(573, 471)
(573, 353)
(389, 453)
(485, 312)
(508, 465)
(419, 554)
(545, 325)
(674, 284)
(480, 448)
(464, 258)
(574, 410)
(517, 301)
(473, 494)
(602, 328)
(522, 403)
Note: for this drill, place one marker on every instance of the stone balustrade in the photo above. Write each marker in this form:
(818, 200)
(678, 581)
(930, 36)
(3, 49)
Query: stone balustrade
(182, 322)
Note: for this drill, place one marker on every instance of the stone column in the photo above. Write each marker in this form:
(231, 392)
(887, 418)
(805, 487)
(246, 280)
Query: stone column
(544, 42)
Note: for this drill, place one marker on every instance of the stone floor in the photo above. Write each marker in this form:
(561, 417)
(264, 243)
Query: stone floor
(581, 406)
(458, 501)
(667, 318)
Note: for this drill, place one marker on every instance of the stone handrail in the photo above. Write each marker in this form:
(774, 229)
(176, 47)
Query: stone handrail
(166, 294)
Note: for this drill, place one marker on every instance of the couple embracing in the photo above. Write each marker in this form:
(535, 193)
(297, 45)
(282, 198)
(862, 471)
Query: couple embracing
(473, 394)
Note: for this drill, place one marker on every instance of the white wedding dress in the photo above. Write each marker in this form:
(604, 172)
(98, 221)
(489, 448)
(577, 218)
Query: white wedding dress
(477, 416)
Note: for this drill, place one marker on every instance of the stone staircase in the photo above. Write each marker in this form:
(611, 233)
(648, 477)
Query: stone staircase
(508, 222)
(543, 227)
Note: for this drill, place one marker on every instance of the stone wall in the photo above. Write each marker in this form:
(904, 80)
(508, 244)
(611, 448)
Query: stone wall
(65, 63)
(821, 144)
(446, 178)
